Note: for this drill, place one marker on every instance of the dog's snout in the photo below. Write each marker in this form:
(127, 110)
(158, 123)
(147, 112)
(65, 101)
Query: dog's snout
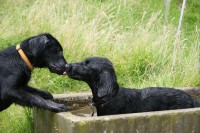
(68, 67)
(62, 63)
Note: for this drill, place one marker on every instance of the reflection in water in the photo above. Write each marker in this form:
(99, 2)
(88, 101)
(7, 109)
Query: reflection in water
(79, 107)
(86, 111)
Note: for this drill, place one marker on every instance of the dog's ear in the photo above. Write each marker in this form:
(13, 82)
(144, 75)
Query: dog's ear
(37, 44)
(107, 83)
(39, 39)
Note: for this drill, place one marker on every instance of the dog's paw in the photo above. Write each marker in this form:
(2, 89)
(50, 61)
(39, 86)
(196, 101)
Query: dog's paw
(56, 107)
(59, 108)
(62, 108)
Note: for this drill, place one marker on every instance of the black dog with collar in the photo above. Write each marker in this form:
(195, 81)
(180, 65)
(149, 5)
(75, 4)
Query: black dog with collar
(43, 51)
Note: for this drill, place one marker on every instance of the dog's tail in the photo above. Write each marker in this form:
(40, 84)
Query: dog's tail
(195, 93)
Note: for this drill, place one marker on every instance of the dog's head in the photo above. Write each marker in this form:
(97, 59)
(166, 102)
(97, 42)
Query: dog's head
(45, 51)
(97, 72)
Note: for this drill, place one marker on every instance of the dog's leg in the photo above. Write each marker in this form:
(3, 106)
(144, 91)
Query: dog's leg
(24, 98)
(4, 105)
(42, 93)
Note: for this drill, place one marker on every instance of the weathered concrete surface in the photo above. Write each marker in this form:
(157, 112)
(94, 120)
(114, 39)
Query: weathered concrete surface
(172, 121)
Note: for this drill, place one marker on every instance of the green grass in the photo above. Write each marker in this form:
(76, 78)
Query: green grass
(16, 120)
(133, 35)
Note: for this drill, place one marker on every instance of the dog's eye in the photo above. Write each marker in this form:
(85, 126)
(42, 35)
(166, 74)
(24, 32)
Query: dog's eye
(87, 62)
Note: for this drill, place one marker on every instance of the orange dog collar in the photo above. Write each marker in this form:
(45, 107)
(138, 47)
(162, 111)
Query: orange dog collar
(24, 57)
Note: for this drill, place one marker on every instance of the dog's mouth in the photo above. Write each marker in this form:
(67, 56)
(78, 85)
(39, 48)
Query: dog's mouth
(73, 72)
(73, 75)
(64, 73)
(57, 69)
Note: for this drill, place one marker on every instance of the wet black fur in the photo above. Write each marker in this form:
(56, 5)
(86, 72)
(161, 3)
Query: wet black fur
(43, 51)
(111, 99)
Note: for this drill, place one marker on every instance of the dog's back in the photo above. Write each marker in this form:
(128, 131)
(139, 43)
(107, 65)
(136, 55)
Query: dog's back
(166, 99)
(146, 100)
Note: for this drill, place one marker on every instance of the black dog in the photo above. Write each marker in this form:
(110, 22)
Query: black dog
(42, 51)
(111, 99)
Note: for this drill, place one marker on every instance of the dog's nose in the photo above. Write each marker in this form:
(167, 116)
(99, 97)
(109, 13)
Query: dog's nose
(68, 67)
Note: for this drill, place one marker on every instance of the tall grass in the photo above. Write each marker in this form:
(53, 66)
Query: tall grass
(133, 36)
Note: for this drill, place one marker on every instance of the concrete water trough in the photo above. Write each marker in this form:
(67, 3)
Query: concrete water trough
(79, 119)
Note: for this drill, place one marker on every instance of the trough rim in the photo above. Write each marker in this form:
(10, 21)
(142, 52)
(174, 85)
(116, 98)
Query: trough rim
(75, 118)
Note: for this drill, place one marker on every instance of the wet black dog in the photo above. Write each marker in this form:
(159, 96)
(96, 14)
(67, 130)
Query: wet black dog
(111, 99)
(42, 51)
